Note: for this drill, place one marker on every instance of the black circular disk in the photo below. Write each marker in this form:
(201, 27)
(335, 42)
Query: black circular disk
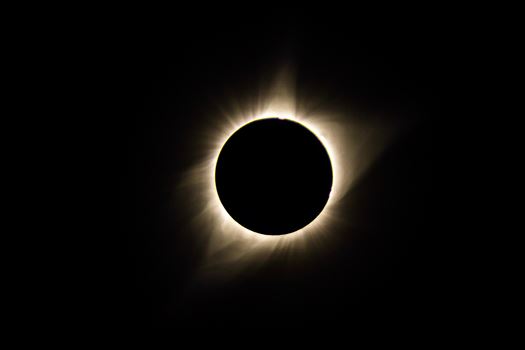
(273, 176)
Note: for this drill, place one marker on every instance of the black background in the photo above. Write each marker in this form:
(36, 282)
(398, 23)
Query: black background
(149, 84)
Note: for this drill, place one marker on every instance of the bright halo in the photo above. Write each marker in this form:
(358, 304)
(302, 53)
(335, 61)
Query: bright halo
(351, 147)
(316, 225)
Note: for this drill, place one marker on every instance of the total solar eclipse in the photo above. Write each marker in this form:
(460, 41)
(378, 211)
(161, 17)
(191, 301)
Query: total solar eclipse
(273, 176)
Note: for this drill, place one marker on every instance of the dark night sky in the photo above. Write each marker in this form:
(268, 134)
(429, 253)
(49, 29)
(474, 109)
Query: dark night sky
(148, 84)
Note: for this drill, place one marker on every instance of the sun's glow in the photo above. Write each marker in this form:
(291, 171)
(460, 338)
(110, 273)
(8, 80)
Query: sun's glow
(322, 220)
(228, 246)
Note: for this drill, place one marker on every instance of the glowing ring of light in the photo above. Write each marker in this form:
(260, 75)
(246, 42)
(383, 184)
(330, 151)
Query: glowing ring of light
(228, 226)
(352, 145)
(228, 247)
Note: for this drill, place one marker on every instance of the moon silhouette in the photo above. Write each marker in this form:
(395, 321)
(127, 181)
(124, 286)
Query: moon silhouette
(273, 176)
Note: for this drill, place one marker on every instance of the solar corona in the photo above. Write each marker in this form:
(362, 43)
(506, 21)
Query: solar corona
(270, 178)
